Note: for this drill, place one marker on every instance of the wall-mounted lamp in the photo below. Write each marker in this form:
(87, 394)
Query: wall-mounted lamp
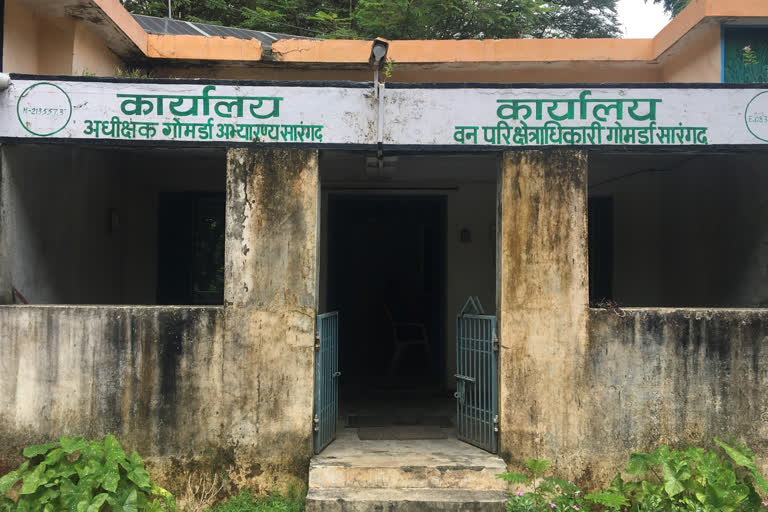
(5, 81)
(379, 52)
(380, 167)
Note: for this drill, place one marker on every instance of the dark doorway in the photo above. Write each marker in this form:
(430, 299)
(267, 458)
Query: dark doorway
(386, 260)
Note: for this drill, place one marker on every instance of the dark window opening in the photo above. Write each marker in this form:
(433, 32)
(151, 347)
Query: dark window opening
(600, 215)
(679, 230)
(191, 248)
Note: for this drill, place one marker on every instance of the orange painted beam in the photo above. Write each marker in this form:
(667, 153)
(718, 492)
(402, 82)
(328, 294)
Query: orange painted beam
(520, 50)
(305, 51)
(488, 50)
(115, 11)
(329, 51)
(739, 9)
(203, 48)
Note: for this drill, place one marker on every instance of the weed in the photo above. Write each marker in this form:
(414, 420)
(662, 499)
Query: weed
(291, 501)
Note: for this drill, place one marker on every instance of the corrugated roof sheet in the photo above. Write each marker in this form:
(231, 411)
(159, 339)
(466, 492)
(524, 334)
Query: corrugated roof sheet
(154, 25)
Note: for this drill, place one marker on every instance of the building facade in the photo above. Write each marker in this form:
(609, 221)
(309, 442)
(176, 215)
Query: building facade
(170, 244)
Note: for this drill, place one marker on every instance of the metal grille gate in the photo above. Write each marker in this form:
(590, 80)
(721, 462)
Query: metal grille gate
(326, 379)
(477, 409)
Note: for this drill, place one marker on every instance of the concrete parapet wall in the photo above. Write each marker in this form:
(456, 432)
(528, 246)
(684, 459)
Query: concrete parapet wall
(677, 376)
(150, 375)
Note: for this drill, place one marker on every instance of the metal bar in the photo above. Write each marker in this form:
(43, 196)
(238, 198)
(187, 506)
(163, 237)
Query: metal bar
(475, 357)
(484, 390)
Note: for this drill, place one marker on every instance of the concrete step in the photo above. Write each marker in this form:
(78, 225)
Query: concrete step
(404, 500)
(425, 464)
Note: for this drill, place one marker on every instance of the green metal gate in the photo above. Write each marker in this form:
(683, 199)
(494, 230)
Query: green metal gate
(326, 379)
(477, 395)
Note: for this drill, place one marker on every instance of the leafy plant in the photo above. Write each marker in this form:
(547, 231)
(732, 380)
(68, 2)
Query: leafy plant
(292, 501)
(389, 66)
(694, 480)
(548, 493)
(751, 62)
(83, 476)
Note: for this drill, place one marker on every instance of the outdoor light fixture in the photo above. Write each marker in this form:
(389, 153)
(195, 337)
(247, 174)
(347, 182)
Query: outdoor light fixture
(5, 81)
(382, 167)
(379, 52)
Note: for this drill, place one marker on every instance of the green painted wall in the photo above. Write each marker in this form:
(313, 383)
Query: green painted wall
(735, 70)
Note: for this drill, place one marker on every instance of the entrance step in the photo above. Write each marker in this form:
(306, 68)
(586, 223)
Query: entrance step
(390, 464)
(404, 500)
(354, 475)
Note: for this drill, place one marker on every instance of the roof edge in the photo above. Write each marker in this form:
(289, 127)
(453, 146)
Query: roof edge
(357, 52)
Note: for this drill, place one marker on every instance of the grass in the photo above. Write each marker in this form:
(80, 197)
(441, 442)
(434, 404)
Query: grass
(292, 501)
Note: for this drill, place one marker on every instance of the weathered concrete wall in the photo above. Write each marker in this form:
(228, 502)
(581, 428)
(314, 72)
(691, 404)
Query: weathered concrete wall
(678, 376)
(150, 375)
(585, 388)
(270, 297)
(542, 304)
(191, 388)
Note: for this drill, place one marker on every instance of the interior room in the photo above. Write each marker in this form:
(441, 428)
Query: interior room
(679, 229)
(97, 225)
(402, 248)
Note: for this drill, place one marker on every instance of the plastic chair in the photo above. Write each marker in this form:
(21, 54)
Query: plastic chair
(405, 335)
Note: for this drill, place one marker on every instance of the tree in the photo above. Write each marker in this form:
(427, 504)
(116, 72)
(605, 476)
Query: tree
(400, 19)
(579, 18)
(673, 7)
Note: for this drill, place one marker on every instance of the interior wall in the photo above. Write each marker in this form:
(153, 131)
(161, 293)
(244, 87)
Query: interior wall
(19, 39)
(468, 183)
(38, 44)
(91, 55)
(82, 223)
(696, 59)
(689, 230)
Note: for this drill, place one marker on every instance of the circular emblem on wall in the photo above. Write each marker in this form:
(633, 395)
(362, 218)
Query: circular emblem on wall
(756, 116)
(44, 109)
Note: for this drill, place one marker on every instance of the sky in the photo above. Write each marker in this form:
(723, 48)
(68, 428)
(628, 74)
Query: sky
(640, 19)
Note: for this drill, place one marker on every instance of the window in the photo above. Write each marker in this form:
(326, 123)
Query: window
(745, 66)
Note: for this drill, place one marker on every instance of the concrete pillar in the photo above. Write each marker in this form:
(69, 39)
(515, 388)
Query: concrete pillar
(543, 304)
(270, 298)
(6, 295)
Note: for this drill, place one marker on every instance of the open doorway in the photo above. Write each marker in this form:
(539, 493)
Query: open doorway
(400, 256)
(386, 278)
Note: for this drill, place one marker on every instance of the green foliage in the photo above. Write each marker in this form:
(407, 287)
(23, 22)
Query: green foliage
(400, 19)
(388, 68)
(745, 58)
(673, 7)
(667, 480)
(694, 480)
(292, 501)
(547, 494)
(83, 476)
